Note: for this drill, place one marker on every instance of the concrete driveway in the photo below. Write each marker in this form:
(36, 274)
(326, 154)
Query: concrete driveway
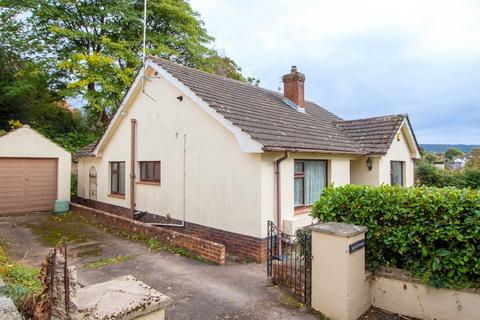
(199, 290)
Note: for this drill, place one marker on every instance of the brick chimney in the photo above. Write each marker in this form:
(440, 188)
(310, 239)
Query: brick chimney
(293, 87)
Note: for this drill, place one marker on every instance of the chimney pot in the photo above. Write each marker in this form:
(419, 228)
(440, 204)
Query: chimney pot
(293, 87)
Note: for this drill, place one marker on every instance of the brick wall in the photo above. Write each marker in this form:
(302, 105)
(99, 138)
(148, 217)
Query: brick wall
(242, 246)
(206, 249)
(110, 208)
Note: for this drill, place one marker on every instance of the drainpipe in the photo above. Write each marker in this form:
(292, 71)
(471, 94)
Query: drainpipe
(132, 166)
(278, 186)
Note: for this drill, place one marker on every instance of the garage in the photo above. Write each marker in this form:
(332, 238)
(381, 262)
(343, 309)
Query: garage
(34, 173)
(28, 184)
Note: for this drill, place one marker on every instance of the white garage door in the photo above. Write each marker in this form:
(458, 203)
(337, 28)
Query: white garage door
(27, 185)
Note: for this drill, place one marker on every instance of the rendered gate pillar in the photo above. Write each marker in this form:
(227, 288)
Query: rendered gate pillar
(339, 288)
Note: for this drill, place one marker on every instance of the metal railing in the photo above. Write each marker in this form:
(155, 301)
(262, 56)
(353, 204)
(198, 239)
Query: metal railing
(289, 261)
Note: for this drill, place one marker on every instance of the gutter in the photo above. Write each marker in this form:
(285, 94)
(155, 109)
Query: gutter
(278, 186)
(272, 149)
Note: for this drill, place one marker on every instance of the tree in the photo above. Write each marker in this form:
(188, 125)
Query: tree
(430, 157)
(93, 47)
(23, 89)
(453, 153)
(428, 175)
(474, 161)
(26, 97)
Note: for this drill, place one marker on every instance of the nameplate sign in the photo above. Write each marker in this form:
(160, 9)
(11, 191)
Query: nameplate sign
(356, 246)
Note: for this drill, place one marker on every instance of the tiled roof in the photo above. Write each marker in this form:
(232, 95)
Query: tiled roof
(269, 119)
(374, 135)
(264, 114)
(86, 151)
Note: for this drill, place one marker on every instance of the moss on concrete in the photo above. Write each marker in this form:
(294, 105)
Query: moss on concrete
(53, 230)
(151, 243)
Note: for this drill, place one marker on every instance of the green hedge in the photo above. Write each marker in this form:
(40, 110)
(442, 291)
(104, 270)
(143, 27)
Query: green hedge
(432, 232)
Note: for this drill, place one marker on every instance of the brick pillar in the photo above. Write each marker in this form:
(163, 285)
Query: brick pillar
(339, 288)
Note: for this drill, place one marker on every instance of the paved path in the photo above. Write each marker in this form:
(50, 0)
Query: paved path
(198, 290)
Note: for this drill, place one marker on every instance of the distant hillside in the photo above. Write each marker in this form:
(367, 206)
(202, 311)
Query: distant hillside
(466, 148)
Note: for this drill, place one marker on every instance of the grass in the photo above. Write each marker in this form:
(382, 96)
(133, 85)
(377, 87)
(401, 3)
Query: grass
(22, 282)
(105, 262)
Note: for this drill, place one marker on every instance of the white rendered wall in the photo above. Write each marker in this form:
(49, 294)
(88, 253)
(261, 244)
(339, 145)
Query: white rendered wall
(399, 151)
(222, 184)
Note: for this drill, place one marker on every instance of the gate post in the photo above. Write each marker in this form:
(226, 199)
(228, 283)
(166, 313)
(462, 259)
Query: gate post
(339, 288)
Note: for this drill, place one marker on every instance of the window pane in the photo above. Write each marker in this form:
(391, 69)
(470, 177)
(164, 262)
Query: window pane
(298, 191)
(114, 181)
(121, 173)
(143, 170)
(397, 172)
(298, 167)
(315, 180)
(151, 169)
(157, 171)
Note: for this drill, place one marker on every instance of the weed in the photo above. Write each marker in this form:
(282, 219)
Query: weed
(21, 281)
(105, 262)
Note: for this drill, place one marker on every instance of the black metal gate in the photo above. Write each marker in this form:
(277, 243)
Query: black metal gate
(289, 261)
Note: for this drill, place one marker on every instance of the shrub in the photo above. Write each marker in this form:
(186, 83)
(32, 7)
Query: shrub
(73, 185)
(22, 282)
(472, 178)
(430, 176)
(432, 232)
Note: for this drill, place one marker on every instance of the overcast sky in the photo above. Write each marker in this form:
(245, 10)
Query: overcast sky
(364, 58)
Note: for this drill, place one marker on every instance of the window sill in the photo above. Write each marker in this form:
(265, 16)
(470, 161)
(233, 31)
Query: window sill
(118, 196)
(149, 183)
(302, 210)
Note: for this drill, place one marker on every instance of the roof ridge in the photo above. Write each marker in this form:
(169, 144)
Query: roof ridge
(246, 83)
(208, 73)
(252, 108)
(403, 115)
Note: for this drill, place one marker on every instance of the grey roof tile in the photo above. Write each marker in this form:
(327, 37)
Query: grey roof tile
(264, 114)
(86, 151)
(375, 135)
(268, 119)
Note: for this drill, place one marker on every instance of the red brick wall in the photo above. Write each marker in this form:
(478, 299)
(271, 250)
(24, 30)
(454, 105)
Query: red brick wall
(206, 249)
(243, 246)
(110, 208)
